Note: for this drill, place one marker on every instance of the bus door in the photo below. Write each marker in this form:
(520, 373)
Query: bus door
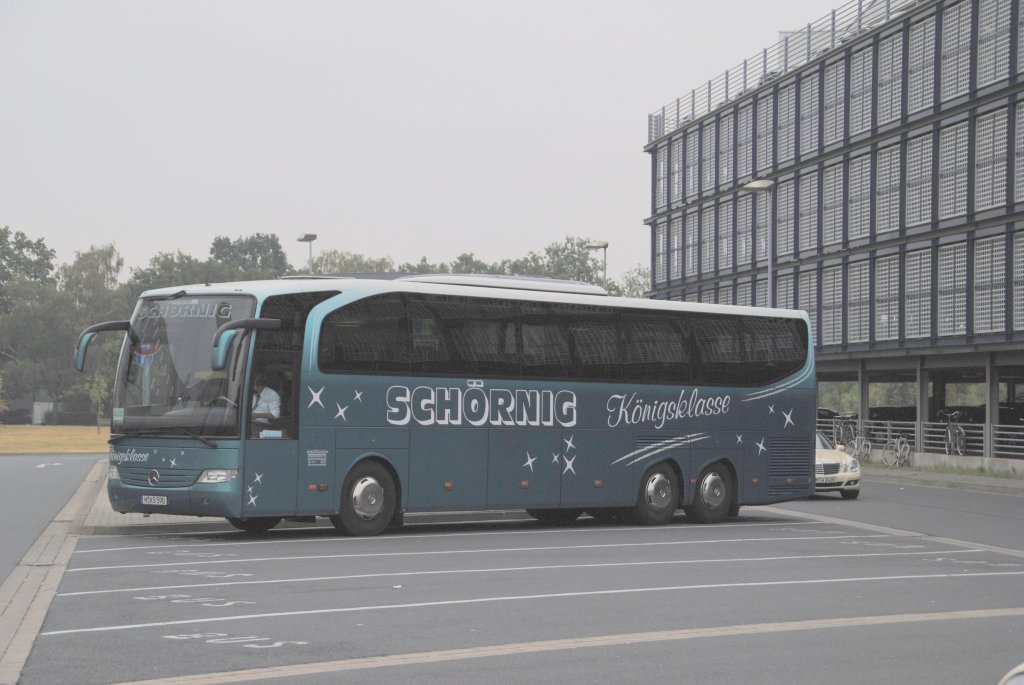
(271, 442)
(271, 449)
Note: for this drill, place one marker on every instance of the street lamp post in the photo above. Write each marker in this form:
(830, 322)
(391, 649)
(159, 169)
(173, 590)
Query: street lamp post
(309, 238)
(767, 185)
(601, 245)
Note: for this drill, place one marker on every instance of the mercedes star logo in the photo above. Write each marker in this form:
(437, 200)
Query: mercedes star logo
(154, 477)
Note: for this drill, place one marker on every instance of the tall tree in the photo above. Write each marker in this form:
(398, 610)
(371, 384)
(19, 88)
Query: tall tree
(635, 283)
(36, 334)
(342, 262)
(20, 256)
(168, 269)
(256, 256)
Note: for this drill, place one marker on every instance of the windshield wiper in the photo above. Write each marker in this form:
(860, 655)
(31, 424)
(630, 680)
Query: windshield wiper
(160, 430)
(172, 296)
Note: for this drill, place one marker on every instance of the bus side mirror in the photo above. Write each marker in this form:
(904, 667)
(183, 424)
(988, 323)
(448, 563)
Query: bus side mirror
(89, 333)
(221, 347)
(226, 334)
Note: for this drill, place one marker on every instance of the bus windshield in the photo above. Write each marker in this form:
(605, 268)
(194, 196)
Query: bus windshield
(165, 382)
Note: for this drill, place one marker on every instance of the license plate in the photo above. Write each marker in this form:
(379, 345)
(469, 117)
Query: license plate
(827, 479)
(160, 500)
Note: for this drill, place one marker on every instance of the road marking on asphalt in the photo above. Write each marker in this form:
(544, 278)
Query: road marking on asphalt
(541, 646)
(516, 550)
(897, 532)
(556, 567)
(522, 598)
(331, 536)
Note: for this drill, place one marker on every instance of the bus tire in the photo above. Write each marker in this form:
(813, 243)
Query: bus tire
(659, 496)
(256, 524)
(714, 497)
(555, 517)
(368, 500)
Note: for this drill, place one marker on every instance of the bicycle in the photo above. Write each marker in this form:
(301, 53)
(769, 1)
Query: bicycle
(896, 451)
(859, 447)
(955, 439)
(843, 428)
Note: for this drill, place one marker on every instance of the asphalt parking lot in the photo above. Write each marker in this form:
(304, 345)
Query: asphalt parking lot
(498, 597)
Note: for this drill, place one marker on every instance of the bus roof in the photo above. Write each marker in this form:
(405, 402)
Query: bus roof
(501, 287)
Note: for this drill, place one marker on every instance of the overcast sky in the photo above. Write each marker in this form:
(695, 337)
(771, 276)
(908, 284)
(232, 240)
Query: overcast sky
(396, 128)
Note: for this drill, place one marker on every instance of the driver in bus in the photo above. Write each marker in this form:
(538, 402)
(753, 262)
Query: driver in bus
(266, 403)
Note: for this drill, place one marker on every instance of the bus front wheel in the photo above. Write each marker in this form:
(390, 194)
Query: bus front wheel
(715, 495)
(368, 501)
(659, 496)
(255, 525)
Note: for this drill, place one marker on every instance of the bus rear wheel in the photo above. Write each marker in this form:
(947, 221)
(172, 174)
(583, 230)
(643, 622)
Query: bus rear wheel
(368, 501)
(555, 517)
(659, 496)
(715, 495)
(255, 525)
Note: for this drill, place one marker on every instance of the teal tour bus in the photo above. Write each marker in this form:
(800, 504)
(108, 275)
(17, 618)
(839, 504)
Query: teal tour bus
(360, 399)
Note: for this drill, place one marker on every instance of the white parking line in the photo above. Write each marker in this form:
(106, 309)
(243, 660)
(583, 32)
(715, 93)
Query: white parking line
(331, 538)
(513, 569)
(541, 646)
(523, 598)
(421, 553)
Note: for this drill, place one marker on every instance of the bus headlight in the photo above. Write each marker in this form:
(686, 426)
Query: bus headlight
(217, 476)
(112, 472)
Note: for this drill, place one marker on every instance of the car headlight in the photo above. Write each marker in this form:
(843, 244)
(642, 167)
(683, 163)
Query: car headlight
(217, 476)
(112, 472)
(854, 466)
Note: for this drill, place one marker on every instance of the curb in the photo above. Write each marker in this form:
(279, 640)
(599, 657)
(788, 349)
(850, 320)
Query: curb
(986, 484)
(26, 594)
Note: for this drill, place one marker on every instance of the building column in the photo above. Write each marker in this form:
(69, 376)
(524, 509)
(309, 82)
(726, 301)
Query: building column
(923, 410)
(991, 406)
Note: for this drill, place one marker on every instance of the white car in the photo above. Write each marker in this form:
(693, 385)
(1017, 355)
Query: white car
(834, 469)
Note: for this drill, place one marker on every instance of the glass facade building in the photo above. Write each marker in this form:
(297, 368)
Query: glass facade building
(893, 140)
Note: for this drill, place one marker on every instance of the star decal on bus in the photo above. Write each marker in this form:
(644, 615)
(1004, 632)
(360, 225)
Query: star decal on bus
(358, 397)
(771, 408)
(568, 465)
(341, 412)
(739, 439)
(258, 479)
(789, 418)
(252, 500)
(761, 449)
(568, 443)
(555, 458)
(529, 461)
(316, 397)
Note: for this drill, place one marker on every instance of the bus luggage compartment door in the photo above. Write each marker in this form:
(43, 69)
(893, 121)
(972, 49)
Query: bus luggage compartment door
(268, 487)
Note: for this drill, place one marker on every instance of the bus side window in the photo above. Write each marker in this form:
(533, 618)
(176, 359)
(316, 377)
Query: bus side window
(546, 350)
(429, 351)
(717, 341)
(655, 349)
(481, 334)
(368, 335)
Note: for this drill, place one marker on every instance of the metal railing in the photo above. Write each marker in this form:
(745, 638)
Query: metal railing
(797, 48)
(881, 432)
(1007, 440)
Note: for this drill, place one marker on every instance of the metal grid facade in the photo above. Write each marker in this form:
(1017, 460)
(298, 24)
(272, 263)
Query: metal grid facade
(897, 156)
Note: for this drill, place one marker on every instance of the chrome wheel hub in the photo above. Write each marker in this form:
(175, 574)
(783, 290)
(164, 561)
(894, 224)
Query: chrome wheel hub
(367, 498)
(712, 490)
(658, 491)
